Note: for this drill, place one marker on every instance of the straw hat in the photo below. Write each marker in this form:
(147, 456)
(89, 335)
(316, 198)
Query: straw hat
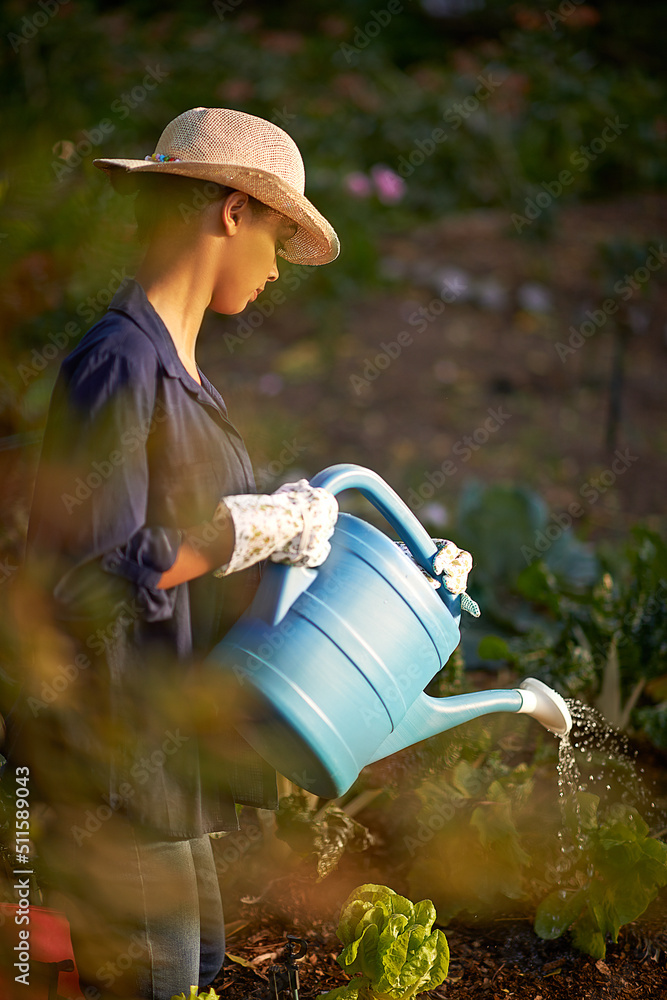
(249, 154)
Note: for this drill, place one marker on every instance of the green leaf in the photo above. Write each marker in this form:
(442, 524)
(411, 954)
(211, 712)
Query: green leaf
(439, 962)
(417, 935)
(537, 584)
(558, 912)
(465, 779)
(394, 927)
(424, 913)
(427, 967)
(351, 915)
(612, 853)
(657, 850)
(361, 954)
(356, 989)
(632, 894)
(587, 936)
(601, 900)
(393, 957)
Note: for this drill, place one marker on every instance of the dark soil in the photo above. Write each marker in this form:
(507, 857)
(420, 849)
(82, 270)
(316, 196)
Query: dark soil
(498, 960)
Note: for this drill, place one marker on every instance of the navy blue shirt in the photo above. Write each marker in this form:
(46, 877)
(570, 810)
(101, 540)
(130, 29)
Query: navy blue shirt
(135, 452)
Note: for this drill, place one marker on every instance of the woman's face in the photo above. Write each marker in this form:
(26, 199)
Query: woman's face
(248, 255)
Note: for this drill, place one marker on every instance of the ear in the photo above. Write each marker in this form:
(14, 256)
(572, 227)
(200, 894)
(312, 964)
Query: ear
(234, 209)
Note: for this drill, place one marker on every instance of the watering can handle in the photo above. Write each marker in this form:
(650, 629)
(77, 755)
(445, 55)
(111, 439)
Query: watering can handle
(291, 581)
(337, 478)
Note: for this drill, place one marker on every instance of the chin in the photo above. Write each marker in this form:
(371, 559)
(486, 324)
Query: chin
(224, 309)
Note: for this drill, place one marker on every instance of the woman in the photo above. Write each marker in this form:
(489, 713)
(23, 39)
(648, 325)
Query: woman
(144, 540)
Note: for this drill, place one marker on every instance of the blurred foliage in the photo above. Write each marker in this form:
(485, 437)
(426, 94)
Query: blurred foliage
(465, 845)
(605, 644)
(515, 93)
(619, 871)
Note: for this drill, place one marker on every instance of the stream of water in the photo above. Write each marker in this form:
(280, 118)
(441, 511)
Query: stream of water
(597, 758)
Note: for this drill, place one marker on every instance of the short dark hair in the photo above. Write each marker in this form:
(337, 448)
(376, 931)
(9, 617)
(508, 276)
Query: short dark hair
(170, 198)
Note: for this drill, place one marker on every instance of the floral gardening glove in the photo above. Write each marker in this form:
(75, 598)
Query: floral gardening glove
(453, 564)
(320, 510)
(292, 525)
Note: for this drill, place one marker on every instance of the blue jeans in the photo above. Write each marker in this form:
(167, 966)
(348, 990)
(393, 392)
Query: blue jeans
(145, 915)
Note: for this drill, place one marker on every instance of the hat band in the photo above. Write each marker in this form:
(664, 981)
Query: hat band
(162, 158)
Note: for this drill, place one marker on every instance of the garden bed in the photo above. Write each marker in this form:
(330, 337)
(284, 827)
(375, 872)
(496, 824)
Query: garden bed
(495, 960)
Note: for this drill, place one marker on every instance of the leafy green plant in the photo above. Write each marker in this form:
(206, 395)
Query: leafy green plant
(390, 944)
(618, 872)
(604, 644)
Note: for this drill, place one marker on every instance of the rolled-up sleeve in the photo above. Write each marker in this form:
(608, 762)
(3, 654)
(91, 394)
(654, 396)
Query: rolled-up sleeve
(89, 516)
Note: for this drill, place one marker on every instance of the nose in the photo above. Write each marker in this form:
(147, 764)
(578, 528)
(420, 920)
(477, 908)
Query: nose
(273, 273)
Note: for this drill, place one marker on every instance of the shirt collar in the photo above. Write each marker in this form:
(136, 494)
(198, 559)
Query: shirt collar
(131, 299)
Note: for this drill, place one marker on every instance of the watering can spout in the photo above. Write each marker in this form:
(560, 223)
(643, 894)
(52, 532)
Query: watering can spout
(545, 705)
(429, 716)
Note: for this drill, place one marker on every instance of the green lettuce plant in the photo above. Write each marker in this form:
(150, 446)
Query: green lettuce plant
(390, 946)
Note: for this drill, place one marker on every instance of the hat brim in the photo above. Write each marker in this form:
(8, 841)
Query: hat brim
(315, 241)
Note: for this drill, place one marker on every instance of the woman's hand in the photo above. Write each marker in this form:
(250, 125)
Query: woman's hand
(452, 565)
(292, 525)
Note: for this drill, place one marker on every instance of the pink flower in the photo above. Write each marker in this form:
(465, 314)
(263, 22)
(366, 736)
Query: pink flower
(358, 184)
(389, 186)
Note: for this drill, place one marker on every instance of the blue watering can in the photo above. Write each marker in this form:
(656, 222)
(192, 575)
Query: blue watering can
(334, 661)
